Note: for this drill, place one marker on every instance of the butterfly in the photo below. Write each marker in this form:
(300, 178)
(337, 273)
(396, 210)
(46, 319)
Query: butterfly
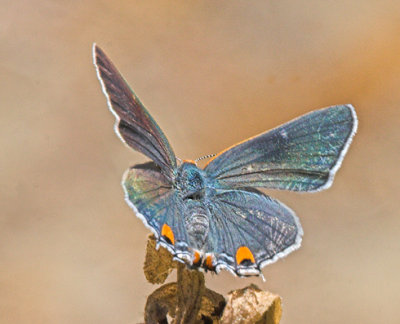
(215, 218)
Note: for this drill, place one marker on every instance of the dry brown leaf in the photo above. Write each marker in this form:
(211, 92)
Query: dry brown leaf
(161, 302)
(252, 305)
(158, 263)
(212, 305)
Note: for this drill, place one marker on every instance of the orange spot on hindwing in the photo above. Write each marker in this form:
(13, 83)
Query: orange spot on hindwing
(196, 259)
(208, 263)
(167, 233)
(244, 255)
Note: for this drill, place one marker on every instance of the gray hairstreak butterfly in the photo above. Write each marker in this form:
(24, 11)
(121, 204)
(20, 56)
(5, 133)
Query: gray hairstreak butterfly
(214, 218)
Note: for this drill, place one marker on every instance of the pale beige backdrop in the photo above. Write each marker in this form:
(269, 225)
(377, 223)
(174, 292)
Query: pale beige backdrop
(212, 73)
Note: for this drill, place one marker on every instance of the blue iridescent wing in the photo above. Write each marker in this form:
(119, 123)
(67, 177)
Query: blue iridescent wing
(134, 124)
(249, 230)
(301, 155)
(150, 195)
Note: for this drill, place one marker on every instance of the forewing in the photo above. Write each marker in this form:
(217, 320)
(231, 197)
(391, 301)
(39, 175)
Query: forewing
(134, 124)
(151, 196)
(250, 230)
(301, 155)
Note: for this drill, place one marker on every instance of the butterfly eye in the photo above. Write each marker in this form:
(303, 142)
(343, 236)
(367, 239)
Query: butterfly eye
(244, 256)
(167, 234)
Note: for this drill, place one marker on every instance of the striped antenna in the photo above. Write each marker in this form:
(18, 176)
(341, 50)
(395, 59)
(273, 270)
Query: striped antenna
(205, 157)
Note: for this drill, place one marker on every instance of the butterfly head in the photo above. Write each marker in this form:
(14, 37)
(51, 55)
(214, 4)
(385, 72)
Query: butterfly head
(190, 181)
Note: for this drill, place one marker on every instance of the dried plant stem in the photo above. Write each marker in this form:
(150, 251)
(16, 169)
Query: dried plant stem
(191, 289)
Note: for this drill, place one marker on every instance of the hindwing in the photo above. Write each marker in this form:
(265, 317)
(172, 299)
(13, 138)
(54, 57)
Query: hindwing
(151, 196)
(249, 230)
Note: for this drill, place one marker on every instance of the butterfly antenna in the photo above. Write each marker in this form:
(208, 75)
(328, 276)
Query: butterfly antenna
(205, 157)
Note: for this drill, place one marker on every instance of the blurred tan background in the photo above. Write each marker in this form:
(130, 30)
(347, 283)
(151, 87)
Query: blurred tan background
(211, 73)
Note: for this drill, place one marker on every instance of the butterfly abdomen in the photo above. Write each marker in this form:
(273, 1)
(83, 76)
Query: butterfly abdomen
(197, 223)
